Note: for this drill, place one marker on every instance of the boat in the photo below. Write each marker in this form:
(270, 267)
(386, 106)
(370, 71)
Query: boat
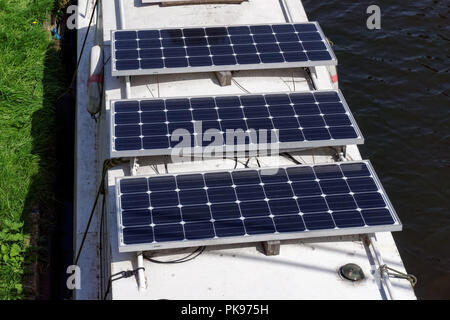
(336, 264)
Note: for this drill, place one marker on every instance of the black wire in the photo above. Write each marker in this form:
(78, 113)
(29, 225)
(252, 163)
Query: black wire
(107, 164)
(187, 258)
(122, 274)
(107, 60)
(101, 240)
(236, 163)
(82, 50)
(107, 289)
(336, 152)
(99, 191)
(288, 155)
(165, 165)
(84, 43)
(100, 93)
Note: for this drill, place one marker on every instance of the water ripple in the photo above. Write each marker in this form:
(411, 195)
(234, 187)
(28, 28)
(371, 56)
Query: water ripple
(396, 81)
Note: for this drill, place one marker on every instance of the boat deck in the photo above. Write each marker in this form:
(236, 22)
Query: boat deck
(304, 269)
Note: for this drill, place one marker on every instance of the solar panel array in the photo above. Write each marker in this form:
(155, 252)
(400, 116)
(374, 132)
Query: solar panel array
(248, 205)
(298, 120)
(155, 51)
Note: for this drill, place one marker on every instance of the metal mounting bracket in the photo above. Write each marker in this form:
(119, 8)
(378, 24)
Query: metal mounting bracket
(224, 78)
(271, 248)
(134, 166)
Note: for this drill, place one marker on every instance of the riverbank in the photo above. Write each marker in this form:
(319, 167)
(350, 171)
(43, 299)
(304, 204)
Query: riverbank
(31, 79)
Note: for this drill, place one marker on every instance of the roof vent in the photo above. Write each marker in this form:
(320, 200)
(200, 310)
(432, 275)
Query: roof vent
(351, 272)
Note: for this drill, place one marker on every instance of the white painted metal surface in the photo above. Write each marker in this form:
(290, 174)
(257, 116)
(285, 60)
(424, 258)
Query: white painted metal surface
(304, 269)
(86, 182)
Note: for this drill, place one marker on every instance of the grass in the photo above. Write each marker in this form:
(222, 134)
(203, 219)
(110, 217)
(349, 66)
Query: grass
(30, 81)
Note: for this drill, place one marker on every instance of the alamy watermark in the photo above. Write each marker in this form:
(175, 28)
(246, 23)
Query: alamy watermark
(374, 20)
(74, 279)
(72, 20)
(199, 143)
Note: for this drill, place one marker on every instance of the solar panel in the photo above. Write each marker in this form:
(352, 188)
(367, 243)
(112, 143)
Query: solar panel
(199, 49)
(296, 120)
(222, 207)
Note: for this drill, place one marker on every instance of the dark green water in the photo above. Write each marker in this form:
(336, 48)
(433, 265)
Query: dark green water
(396, 81)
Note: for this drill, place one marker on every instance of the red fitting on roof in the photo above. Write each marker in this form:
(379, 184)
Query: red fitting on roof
(95, 78)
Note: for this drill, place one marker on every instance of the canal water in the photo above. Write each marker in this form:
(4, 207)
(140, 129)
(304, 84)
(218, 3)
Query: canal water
(396, 81)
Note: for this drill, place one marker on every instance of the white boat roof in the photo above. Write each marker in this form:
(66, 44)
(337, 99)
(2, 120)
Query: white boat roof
(304, 269)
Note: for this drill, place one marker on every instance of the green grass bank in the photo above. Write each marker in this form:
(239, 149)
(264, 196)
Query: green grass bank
(31, 79)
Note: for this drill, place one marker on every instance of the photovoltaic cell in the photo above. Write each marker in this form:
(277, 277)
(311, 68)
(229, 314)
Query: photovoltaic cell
(200, 49)
(251, 205)
(292, 120)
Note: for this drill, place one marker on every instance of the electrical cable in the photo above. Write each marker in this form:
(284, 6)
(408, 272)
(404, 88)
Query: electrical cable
(285, 82)
(293, 80)
(189, 257)
(100, 246)
(99, 192)
(120, 275)
(107, 60)
(107, 164)
(149, 90)
(288, 155)
(157, 82)
(165, 164)
(100, 93)
(155, 168)
(239, 85)
(245, 164)
(257, 161)
(248, 160)
(82, 51)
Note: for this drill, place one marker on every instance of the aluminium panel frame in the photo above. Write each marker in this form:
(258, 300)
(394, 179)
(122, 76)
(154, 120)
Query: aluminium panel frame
(281, 146)
(397, 226)
(259, 66)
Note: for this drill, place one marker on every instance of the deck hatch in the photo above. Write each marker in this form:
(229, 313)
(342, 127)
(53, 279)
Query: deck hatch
(288, 121)
(219, 48)
(236, 206)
